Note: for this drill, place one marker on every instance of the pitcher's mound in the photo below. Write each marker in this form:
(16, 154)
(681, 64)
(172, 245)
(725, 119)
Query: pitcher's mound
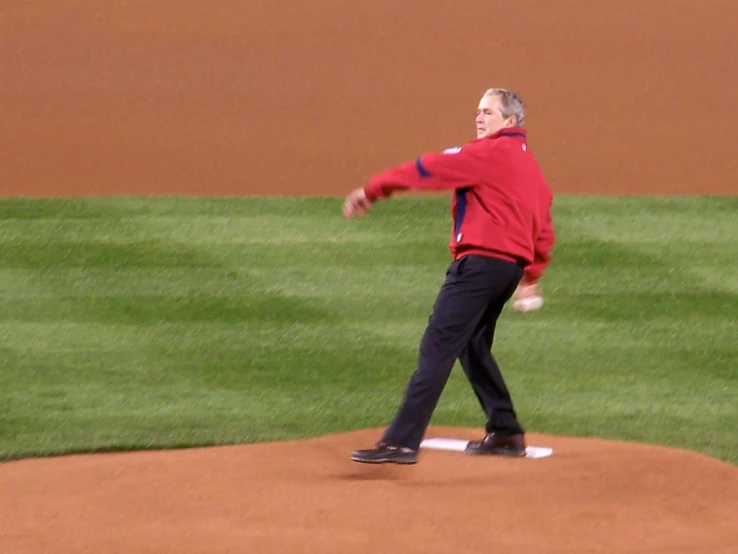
(308, 497)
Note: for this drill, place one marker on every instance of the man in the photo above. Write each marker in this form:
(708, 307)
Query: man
(502, 233)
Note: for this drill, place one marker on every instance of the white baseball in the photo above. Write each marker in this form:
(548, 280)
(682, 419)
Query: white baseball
(530, 304)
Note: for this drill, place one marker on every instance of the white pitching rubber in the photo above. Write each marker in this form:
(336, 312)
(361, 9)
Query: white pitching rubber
(459, 445)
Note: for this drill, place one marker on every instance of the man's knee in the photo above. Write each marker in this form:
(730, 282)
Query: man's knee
(429, 379)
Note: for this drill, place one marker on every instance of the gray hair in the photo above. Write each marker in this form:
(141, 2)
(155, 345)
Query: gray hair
(511, 104)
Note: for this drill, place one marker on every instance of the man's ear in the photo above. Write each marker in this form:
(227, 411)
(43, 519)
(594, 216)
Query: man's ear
(511, 121)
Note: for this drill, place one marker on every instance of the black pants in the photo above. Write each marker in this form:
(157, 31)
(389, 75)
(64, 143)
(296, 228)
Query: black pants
(462, 326)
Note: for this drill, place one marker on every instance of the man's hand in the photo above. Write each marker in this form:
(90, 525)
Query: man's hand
(356, 204)
(527, 298)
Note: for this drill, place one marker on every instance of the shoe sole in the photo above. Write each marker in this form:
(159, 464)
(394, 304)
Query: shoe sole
(400, 461)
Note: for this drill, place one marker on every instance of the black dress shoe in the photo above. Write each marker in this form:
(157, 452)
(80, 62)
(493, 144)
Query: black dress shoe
(386, 453)
(499, 445)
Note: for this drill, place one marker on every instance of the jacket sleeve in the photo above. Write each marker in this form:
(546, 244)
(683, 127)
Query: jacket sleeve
(451, 169)
(543, 246)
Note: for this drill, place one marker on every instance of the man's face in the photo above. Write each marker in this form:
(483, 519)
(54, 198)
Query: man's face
(489, 117)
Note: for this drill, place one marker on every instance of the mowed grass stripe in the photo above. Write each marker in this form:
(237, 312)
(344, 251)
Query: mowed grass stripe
(171, 322)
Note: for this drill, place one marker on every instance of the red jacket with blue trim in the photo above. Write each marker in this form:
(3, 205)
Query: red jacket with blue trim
(501, 206)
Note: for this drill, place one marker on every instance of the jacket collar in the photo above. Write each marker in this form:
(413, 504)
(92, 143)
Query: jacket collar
(510, 132)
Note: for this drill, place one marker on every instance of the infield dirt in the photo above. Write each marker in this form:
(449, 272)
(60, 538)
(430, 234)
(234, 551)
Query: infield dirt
(284, 97)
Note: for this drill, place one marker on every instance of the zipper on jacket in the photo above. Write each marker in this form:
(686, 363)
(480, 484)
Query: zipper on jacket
(460, 213)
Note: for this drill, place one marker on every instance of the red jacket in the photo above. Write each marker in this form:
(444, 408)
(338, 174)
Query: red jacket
(501, 207)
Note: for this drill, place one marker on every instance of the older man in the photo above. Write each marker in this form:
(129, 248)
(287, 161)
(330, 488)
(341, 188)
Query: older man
(501, 241)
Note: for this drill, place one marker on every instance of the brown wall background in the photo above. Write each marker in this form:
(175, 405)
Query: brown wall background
(313, 96)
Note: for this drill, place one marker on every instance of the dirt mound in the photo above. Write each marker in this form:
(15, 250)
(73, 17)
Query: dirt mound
(306, 496)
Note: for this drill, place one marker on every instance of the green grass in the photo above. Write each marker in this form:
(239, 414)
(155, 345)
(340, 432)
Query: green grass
(173, 322)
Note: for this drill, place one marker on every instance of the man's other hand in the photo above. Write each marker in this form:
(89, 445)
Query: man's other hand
(356, 204)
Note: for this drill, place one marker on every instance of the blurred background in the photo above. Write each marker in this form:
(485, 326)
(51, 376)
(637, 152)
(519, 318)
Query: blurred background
(312, 97)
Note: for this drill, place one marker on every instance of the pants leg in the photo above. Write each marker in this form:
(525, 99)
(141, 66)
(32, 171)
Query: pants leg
(485, 376)
(472, 284)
